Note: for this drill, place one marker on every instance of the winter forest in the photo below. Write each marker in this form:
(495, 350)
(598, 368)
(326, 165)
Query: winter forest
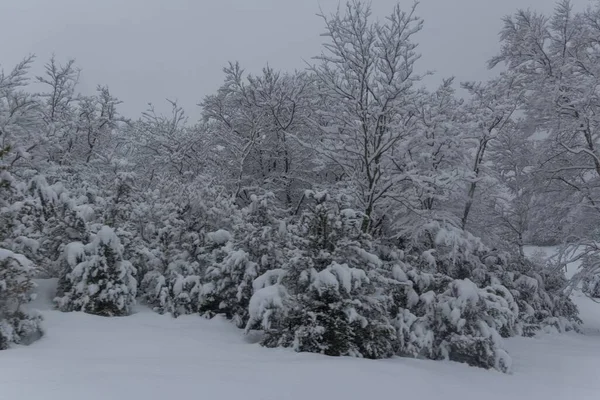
(342, 209)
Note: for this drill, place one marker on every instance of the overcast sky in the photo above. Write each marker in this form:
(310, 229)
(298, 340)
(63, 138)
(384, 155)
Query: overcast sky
(149, 50)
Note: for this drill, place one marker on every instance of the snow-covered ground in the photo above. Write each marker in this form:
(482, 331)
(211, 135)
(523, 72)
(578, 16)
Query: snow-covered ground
(147, 356)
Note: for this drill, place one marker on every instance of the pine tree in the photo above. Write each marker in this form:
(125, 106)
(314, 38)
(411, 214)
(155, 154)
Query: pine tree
(327, 297)
(255, 246)
(183, 242)
(97, 280)
(17, 324)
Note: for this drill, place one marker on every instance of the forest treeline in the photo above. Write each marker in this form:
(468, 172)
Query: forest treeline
(342, 209)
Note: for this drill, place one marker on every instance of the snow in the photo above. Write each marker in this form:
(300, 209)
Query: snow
(324, 280)
(74, 252)
(268, 278)
(219, 237)
(86, 212)
(527, 282)
(106, 235)
(369, 257)
(429, 257)
(238, 257)
(150, 356)
(399, 274)
(466, 291)
(262, 301)
(31, 244)
(344, 275)
(21, 259)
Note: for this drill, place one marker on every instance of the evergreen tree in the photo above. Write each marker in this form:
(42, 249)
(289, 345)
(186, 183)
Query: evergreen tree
(257, 245)
(17, 324)
(97, 280)
(333, 301)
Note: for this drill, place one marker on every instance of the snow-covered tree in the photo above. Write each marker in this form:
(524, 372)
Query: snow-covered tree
(17, 324)
(257, 244)
(555, 57)
(366, 80)
(58, 107)
(509, 212)
(327, 297)
(167, 145)
(96, 278)
(182, 243)
(261, 129)
(20, 120)
(98, 119)
(492, 106)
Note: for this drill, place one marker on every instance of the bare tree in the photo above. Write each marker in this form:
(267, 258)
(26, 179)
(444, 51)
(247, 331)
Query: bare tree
(59, 106)
(258, 124)
(166, 145)
(366, 77)
(19, 114)
(491, 108)
(557, 58)
(96, 123)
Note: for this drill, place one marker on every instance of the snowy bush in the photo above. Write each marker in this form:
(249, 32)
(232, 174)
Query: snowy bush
(40, 221)
(591, 286)
(438, 317)
(178, 292)
(339, 292)
(332, 312)
(256, 245)
(155, 292)
(68, 223)
(543, 303)
(228, 286)
(173, 283)
(23, 219)
(17, 325)
(96, 278)
(184, 236)
(459, 255)
(333, 302)
(468, 322)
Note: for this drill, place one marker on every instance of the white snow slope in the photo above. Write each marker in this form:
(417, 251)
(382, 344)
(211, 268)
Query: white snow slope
(147, 356)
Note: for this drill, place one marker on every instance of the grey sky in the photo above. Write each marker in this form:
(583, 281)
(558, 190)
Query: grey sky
(149, 50)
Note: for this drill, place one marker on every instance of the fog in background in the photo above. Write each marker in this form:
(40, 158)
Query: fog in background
(149, 50)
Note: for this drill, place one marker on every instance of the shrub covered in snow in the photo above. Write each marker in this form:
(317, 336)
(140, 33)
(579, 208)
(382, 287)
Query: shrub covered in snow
(177, 291)
(17, 325)
(256, 245)
(183, 237)
(40, 220)
(591, 286)
(538, 292)
(96, 278)
(334, 311)
(339, 292)
(543, 302)
(227, 287)
(468, 321)
(326, 298)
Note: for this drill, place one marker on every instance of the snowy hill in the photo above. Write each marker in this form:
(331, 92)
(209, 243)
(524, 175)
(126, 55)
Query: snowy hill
(148, 356)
